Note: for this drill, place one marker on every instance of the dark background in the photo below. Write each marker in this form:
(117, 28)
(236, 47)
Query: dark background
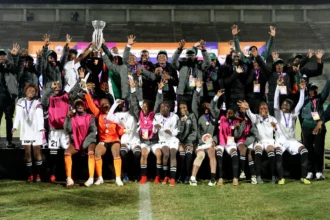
(172, 2)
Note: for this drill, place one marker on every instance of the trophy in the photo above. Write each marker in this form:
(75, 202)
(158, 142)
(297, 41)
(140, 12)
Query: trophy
(98, 35)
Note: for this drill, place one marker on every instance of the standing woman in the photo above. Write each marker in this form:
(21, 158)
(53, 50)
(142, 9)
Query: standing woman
(30, 115)
(313, 138)
(211, 79)
(82, 130)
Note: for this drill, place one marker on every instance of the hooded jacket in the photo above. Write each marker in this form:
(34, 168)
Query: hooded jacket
(8, 71)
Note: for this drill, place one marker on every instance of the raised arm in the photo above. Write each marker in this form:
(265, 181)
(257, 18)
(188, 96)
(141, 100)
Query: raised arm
(301, 99)
(215, 111)
(235, 31)
(175, 58)
(159, 96)
(245, 105)
(269, 44)
(206, 57)
(318, 71)
(94, 109)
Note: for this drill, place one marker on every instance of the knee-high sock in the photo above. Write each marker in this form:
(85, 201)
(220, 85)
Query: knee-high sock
(38, 164)
(98, 166)
(123, 155)
(251, 166)
(258, 157)
(304, 162)
(189, 161)
(53, 161)
(68, 165)
(242, 163)
(182, 163)
(137, 158)
(271, 160)
(91, 164)
(279, 165)
(234, 162)
(158, 169)
(117, 163)
(219, 162)
(173, 172)
(29, 168)
(165, 170)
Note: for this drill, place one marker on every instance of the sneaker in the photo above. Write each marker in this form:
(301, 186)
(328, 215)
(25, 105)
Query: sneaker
(193, 182)
(220, 182)
(254, 180)
(125, 178)
(281, 181)
(11, 145)
(119, 182)
(274, 179)
(143, 180)
(165, 180)
(212, 182)
(259, 180)
(172, 182)
(89, 182)
(52, 178)
(69, 182)
(99, 181)
(179, 180)
(157, 180)
(305, 181)
(235, 182)
(186, 180)
(309, 176)
(37, 179)
(319, 176)
(30, 179)
(242, 176)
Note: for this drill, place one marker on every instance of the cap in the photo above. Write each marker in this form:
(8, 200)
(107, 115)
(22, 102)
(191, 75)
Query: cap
(162, 52)
(52, 53)
(77, 101)
(3, 52)
(191, 51)
(278, 60)
(213, 56)
(311, 86)
(299, 56)
(253, 47)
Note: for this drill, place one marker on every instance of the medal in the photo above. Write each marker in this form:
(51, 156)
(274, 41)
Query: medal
(28, 109)
(107, 131)
(106, 122)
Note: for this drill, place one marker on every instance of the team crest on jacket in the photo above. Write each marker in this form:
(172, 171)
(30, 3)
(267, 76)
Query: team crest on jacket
(188, 121)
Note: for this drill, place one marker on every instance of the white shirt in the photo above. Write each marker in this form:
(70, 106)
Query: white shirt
(30, 115)
(71, 75)
(169, 123)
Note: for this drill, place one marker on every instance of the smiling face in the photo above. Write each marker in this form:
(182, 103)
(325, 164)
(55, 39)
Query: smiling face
(145, 108)
(263, 110)
(50, 59)
(30, 93)
(104, 105)
(71, 56)
(131, 60)
(144, 57)
(161, 58)
(230, 113)
(256, 66)
(164, 109)
(286, 107)
(57, 89)
(235, 57)
(312, 92)
(183, 109)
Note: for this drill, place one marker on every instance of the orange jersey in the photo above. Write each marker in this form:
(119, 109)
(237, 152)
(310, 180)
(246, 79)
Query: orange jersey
(108, 130)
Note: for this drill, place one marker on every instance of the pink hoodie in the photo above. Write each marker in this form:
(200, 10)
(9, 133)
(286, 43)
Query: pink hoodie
(58, 109)
(225, 129)
(146, 123)
(80, 125)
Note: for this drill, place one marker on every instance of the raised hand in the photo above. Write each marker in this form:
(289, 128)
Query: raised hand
(239, 69)
(68, 39)
(272, 31)
(319, 54)
(234, 30)
(310, 53)
(132, 83)
(198, 83)
(296, 69)
(162, 84)
(131, 40)
(46, 40)
(38, 52)
(280, 81)
(25, 52)
(81, 73)
(243, 104)
(202, 44)
(14, 50)
(302, 84)
(220, 92)
(197, 44)
(275, 55)
(182, 43)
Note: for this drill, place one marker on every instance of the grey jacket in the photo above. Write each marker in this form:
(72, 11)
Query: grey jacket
(184, 70)
(91, 135)
(188, 130)
(9, 69)
(203, 126)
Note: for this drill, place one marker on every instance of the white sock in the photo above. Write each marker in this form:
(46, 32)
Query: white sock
(192, 178)
(118, 179)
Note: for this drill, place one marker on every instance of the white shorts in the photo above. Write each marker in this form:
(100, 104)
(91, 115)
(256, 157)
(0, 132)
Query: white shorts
(131, 146)
(57, 139)
(153, 147)
(203, 147)
(263, 144)
(33, 143)
(228, 148)
(292, 146)
(173, 144)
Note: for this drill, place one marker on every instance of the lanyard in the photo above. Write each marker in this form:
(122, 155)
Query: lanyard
(210, 73)
(166, 118)
(257, 74)
(230, 122)
(28, 109)
(286, 121)
(106, 121)
(315, 104)
(133, 68)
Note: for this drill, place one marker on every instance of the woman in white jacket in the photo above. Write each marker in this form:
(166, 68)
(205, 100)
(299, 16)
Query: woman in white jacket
(29, 115)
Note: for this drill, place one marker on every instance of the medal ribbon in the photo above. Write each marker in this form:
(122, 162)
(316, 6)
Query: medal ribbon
(106, 121)
(28, 109)
(286, 121)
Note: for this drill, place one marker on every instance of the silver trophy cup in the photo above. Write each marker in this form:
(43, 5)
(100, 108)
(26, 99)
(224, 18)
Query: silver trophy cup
(98, 35)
